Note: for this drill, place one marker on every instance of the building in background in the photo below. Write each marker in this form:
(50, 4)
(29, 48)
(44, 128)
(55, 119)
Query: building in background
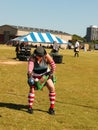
(92, 33)
(8, 32)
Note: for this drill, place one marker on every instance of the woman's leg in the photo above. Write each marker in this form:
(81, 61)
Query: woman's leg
(52, 95)
(31, 97)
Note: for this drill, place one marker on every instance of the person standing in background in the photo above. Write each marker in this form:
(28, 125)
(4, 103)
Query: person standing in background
(17, 49)
(55, 48)
(76, 49)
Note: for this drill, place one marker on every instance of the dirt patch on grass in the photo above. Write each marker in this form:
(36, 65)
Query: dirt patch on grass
(11, 62)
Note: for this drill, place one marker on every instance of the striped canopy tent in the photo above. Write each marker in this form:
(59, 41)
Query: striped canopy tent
(38, 37)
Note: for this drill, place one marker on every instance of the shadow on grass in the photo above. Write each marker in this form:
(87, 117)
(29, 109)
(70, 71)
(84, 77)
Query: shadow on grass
(18, 107)
(13, 106)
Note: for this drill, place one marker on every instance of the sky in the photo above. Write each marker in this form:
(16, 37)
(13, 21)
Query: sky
(70, 16)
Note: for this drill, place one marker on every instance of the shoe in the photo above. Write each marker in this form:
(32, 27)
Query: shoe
(30, 110)
(51, 111)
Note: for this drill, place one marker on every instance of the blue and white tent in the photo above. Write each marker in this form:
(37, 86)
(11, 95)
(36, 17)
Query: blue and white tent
(38, 37)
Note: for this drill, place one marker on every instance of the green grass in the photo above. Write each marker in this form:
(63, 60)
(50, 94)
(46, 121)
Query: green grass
(76, 94)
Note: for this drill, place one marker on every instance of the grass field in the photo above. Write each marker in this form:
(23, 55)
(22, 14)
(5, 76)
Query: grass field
(76, 94)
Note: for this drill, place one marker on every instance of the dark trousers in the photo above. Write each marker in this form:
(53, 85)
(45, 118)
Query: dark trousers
(76, 54)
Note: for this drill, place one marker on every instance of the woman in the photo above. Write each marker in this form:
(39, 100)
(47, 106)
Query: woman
(37, 67)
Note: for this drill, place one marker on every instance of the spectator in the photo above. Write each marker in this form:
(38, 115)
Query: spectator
(17, 50)
(76, 49)
(55, 48)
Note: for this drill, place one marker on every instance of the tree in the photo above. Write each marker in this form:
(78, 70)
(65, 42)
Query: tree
(76, 37)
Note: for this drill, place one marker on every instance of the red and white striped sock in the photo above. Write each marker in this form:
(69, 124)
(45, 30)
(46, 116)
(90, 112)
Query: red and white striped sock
(31, 99)
(52, 99)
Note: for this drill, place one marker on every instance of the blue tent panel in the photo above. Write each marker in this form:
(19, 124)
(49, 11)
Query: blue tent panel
(33, 37)
(25, 39)
(60, 41)
(50, 37)
(41, 37)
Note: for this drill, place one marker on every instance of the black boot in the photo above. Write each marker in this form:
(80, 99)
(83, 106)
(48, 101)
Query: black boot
(30, 110)
(51, 111)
